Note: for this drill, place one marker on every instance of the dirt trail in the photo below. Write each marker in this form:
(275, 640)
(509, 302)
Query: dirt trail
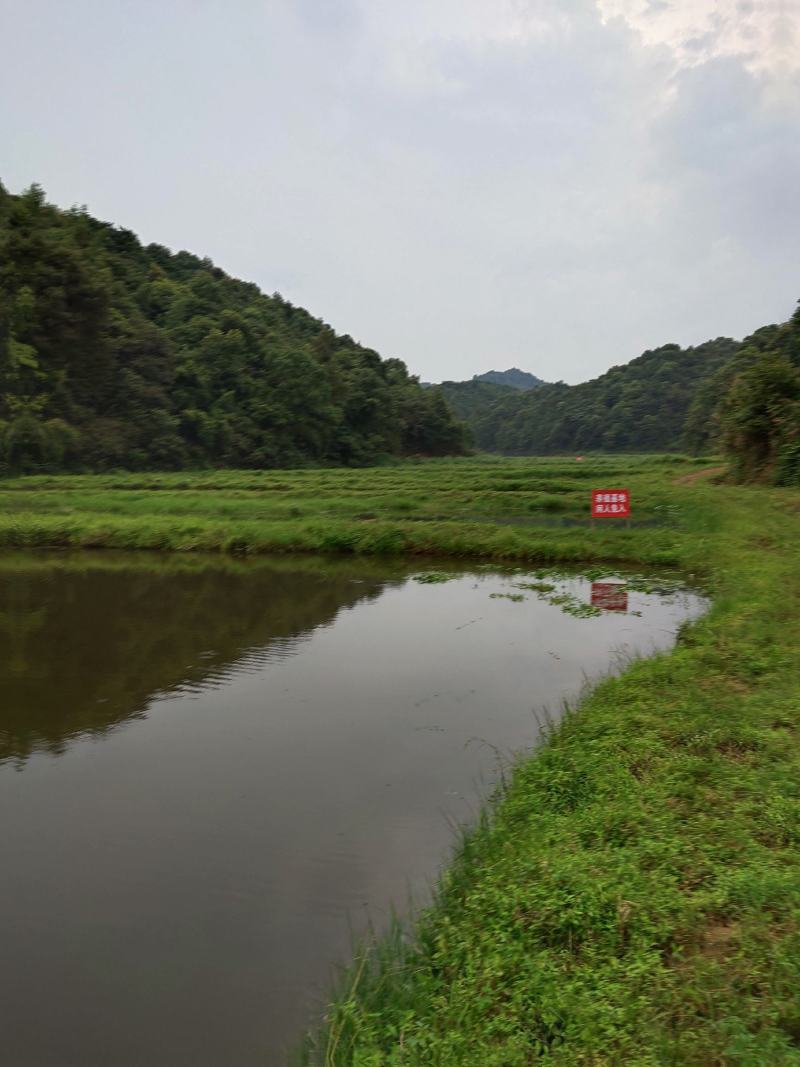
(695, 476)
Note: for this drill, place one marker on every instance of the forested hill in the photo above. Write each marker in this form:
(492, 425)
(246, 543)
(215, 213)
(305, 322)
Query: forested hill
(516, 378)
(641, 406)
(739, 398)
(116, 354)
(471, 400)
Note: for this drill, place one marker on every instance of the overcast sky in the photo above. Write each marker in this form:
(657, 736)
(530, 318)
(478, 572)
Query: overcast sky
(464, 184)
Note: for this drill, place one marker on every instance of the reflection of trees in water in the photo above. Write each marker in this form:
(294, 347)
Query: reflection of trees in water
(84, 649)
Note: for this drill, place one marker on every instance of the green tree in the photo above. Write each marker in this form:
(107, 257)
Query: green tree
(761, 419)
(115, 354)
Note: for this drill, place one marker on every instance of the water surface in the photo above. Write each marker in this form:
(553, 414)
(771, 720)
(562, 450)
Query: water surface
(210, 771)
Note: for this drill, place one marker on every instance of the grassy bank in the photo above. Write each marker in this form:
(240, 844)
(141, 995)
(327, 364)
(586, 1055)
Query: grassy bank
(634, 895)
(494, 508)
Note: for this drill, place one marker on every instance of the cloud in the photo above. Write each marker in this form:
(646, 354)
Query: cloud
(555, 184)
(764, 35)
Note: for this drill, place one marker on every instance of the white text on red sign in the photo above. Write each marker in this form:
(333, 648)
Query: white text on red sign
(611, 502)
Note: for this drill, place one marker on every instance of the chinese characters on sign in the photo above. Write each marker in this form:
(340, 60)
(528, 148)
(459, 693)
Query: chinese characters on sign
(610, 596)
(611, 503)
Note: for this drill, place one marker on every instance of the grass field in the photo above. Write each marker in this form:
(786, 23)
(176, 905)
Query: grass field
(498, 508)
(633, 895)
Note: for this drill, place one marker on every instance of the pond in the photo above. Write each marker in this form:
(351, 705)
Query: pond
(212, 772)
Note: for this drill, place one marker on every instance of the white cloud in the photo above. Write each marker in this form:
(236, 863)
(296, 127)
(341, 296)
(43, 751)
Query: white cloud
(460, 183)
(764, 34)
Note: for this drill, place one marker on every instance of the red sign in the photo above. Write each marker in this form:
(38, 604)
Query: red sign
(610, 596)
(611, 503)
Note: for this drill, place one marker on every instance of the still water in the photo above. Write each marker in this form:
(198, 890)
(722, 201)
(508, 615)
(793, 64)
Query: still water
(210, 773)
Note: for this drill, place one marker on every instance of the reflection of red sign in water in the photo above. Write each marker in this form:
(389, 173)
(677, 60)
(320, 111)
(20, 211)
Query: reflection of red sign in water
(610, 596)
(611, 503)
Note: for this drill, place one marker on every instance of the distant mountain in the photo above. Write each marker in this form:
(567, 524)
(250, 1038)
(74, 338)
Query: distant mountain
(640, 406)
(470, 401)
(738, 397)
(514, 377)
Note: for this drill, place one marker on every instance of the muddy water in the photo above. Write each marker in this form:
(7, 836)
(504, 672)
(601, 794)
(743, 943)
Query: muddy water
(210, 772)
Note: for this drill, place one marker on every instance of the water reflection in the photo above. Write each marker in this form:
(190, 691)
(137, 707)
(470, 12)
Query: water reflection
(88, 643)
(217, 767)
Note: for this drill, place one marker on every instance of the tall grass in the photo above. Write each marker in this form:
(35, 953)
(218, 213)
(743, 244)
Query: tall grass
(449, 507)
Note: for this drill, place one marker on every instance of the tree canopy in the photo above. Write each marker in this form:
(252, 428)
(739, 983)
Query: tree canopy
(759, 413)
(118, 354)
(516, 378)
(115, 354)
(641, 406)
(742, 398)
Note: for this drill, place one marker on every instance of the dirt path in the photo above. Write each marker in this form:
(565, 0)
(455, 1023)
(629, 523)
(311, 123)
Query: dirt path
(695, 476)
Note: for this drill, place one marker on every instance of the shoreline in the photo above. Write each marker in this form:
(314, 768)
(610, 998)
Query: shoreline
(633, 894)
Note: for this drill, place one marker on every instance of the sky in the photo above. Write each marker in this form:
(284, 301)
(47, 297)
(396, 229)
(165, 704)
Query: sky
(467, 185)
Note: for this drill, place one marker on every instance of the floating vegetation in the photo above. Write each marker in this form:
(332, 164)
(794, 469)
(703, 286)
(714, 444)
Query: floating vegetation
(516, 597)
(537, 587)
(662, 585)
(550, 594)
(433, 577)
(570, 605)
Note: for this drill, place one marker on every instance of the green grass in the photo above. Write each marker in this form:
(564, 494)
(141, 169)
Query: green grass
(485, 507)
(632, 894)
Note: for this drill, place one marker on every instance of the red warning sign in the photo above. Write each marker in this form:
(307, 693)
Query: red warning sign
(611, 504)
(610, 596)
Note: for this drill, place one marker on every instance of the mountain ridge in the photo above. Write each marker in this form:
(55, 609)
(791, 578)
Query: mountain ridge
(513, 377)
(640, 406)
